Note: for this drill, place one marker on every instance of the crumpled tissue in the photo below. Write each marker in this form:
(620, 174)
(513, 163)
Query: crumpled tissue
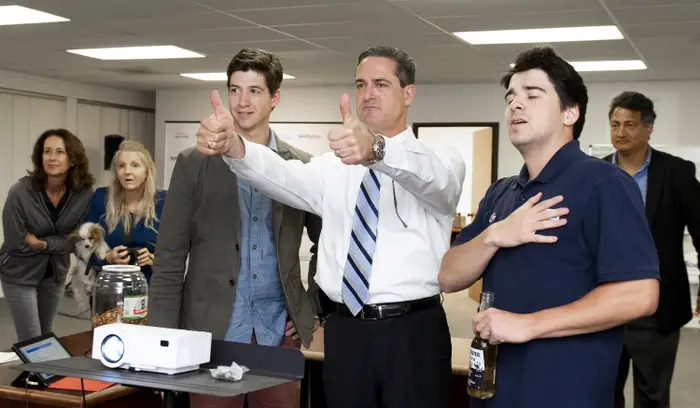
(232, 373)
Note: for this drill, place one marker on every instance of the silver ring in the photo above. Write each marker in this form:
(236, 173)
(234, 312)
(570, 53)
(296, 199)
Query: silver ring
(209, 144)
(337, 154)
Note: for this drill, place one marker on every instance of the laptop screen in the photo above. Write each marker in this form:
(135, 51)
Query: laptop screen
(46, 349)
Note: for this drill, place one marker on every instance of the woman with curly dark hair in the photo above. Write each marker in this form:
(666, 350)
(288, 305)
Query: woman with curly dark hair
(41, 210)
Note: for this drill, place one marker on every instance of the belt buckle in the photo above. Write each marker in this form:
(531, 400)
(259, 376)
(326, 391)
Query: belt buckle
(363, 316)
(380, 309)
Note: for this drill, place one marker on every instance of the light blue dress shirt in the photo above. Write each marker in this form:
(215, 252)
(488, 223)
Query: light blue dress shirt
(642, 174)
(259, 304)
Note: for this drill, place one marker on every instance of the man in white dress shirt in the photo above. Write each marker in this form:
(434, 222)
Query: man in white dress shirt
(388, 202)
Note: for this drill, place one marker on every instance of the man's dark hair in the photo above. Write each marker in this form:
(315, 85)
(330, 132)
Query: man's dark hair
(260, 61)
(405, 67)
(637, 102)
(566, 81)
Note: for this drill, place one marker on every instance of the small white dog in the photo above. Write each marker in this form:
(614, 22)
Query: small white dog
(90, 240)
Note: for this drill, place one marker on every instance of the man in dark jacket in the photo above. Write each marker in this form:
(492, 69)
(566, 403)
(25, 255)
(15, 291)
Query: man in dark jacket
(671, 194)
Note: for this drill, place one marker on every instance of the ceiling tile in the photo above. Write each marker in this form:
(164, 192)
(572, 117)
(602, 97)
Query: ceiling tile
(501, 21)
(158, 27)
(665, 50)
(308, 57)
(245, 34)
(319, 41)
(89, 10)
(355, 45)
(257, 4)
(451, 8)
(658, 14)
(353, 29)
(231, 48)
(689, 30)
(376, 11)
(641, 3)
(575, 51)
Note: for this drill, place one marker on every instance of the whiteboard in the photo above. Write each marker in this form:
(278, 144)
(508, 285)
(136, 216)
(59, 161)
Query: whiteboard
(310, 137)
(178, 137)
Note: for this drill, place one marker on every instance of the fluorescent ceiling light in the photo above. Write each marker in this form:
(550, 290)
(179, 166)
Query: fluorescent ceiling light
(217, 76)
(596, 66)
(541, 35)
(138, 53)
(15, 15)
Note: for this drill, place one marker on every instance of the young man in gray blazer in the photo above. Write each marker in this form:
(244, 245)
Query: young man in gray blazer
(243, 281)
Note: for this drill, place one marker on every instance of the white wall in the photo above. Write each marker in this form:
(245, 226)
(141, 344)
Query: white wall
(31, 104)
(95, 122)
(38, 84)
(675, 102)
(461, 139)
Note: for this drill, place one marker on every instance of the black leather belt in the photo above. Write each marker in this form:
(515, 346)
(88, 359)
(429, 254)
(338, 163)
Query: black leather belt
(388, 310)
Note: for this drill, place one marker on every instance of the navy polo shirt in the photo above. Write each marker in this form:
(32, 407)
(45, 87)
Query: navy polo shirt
(606, 239)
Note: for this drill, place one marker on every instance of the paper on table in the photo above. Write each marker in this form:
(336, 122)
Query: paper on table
(234, 372)
(70, 383)
(7, 357)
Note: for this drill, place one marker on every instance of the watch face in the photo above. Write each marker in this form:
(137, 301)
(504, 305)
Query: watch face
(378, 150)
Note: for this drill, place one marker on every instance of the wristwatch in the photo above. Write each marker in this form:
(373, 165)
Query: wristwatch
(378, 148)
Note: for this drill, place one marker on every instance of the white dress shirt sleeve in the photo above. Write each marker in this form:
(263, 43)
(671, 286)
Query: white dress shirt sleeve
(433, 174)
(290, 182)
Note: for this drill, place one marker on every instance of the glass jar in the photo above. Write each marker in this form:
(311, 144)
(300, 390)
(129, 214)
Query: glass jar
(120, 296)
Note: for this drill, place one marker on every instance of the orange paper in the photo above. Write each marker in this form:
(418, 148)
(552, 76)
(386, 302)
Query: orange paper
(70, 383)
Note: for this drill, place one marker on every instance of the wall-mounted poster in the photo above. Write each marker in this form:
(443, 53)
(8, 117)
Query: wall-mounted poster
(312, 137)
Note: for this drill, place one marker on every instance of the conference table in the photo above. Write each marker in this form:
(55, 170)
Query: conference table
(123, 396)
(113, 397)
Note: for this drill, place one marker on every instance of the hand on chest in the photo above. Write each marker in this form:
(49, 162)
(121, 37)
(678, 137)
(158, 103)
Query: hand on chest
(522, 217)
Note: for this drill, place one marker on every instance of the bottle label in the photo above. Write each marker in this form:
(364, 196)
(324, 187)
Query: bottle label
(477, 366)
(135, 307)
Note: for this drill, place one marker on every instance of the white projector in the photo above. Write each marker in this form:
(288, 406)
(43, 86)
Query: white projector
(146, 348)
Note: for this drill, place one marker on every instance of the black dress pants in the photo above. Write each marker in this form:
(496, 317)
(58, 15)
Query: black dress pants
(653, 356)
(401, 362)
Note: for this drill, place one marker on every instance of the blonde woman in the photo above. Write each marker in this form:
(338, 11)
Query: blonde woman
(129, 209)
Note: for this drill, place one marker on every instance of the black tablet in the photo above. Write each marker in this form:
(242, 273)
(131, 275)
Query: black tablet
(42, 348)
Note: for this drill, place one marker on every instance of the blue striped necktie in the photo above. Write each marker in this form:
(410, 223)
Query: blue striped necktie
(358, 267)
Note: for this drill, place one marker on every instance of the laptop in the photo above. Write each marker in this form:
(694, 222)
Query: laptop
(46, 347)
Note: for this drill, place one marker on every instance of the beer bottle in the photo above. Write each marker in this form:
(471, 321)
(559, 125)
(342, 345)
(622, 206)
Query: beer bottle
(481, 382)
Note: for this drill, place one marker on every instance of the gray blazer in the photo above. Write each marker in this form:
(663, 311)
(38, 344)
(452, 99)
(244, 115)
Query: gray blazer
(201, 219)
(25, 212)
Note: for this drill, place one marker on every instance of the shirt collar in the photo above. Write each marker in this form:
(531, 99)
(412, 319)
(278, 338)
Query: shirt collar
(556, 165)
(272, 144)
(647, 159)
(406, 134)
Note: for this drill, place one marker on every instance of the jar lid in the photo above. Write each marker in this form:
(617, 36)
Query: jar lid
(121, 268)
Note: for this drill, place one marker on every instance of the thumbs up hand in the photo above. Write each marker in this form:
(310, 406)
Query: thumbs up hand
(351, 141)
(216, 134)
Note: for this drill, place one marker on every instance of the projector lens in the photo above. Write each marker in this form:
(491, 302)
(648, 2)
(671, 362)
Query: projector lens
(112, 348)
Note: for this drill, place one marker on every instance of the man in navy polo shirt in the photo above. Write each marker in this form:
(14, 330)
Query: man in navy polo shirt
(564, 246)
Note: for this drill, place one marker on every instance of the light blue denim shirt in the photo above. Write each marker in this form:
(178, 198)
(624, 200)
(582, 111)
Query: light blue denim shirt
(259, 304)
(642, 175)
